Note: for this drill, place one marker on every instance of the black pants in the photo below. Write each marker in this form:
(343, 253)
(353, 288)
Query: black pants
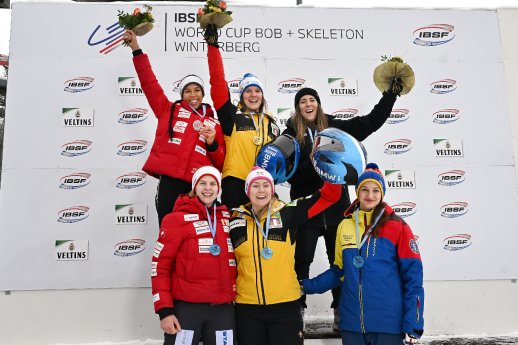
(168, 190)
(274, 324)
(233, 192)
(307, 238)
(210, 320)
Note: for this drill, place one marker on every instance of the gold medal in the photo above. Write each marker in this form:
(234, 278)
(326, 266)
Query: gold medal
(257, 140)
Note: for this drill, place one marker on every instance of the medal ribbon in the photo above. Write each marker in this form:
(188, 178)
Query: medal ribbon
(366, 236)
(265, 234)
(196, 111)
(212, 226)
(258, 125)
(311, 135)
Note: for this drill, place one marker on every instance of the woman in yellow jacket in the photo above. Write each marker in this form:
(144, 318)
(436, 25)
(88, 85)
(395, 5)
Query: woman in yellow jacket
(263, 234)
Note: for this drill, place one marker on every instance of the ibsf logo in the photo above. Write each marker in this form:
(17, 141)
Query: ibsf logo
(404, 209)
(457, 242)
(454, 209)
(76, 148)
(131, 116)
(109, 39)
(451, 178)
(131, 180)
(75, 181)
(233, 85)
(79, 84)
(398, 116)
(443, 86)
(132, 148)
(433, 35)
(398, 146)
(73, 214)
(129, 247)
(446, 116)
(291, 85)
(345, 114)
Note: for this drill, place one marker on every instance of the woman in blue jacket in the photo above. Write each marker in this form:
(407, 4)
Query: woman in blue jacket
(377, 257)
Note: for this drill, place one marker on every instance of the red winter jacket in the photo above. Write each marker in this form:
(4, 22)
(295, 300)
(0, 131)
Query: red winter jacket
(187, 151)
(182, 267)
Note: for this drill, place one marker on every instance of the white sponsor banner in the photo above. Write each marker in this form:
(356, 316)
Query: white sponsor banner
(74, 172)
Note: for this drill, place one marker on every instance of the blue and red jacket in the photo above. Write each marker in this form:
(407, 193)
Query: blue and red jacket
(386, 294)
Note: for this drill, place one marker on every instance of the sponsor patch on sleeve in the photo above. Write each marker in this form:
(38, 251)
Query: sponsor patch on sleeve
(158, 249)
(225, 214)
(413, 246)
(232, 262)
(153, 268)
(156, 297)
(230, 247)
(236, 223)
(200, 150)
(191, 217)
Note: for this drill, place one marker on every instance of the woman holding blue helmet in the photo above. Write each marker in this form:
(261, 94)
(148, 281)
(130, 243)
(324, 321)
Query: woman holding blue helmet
(309, 119)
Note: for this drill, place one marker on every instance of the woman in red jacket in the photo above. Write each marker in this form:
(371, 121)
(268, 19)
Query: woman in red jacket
(193, 274)
(188, 136)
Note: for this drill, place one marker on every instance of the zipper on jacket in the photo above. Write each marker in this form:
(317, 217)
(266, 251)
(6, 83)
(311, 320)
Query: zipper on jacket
(259, 271)
(418, 303)
(360, 295)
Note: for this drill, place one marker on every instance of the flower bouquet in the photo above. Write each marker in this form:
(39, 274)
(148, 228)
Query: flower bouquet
(213, 16)
(139, 22)
(394, 74)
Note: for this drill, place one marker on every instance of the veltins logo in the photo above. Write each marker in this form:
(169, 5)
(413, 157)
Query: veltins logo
(290, 85)
(451, 178)
(79, 84)
(76, 148)
(398, 116)
(446, 116)
(283, 114)
(109, 38)
(448, 148)
(342, 87)
(404, 209)
(132, 148)
(233, 85)
(345, 114)
(73, 214)
(454, 209)
(71, 250)
(75, 181)
(129, 247)
(398, 146)
(78, 117)
(457, 242)
(400, 179)
(433, 35)
(129, 86)
(130, 214)
(443, 86)
(132, 116)
(131, 180)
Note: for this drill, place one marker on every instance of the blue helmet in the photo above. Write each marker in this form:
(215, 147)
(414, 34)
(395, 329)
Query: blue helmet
(338, 157)
(280, 158)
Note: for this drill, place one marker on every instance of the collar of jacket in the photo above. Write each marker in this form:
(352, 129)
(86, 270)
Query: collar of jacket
(246, 210)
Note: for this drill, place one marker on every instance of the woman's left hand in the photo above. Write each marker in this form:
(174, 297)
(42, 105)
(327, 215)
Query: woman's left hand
(209, 133)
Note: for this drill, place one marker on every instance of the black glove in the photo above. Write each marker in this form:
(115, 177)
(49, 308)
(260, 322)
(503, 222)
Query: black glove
(211, 35)
(395, 86)
(351, 178)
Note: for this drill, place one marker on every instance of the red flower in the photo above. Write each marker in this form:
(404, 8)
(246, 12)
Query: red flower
(136, 12)
(223, 5)
(200, 12)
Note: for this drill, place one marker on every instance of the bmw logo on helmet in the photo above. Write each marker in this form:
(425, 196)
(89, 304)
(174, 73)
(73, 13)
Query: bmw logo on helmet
(280, 158)
(338, 157)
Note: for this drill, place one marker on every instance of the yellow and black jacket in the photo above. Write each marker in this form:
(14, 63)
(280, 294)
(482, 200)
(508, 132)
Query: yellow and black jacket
(270, 281)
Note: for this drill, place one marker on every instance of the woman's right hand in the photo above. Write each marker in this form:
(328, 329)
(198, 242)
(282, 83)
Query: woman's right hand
(170, 324)
(131, 38)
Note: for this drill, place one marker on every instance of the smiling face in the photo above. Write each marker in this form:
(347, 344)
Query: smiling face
(207, 190)
(193, 94)
(308, 106)
(369, 195)
(260, 195)
(253, 98)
